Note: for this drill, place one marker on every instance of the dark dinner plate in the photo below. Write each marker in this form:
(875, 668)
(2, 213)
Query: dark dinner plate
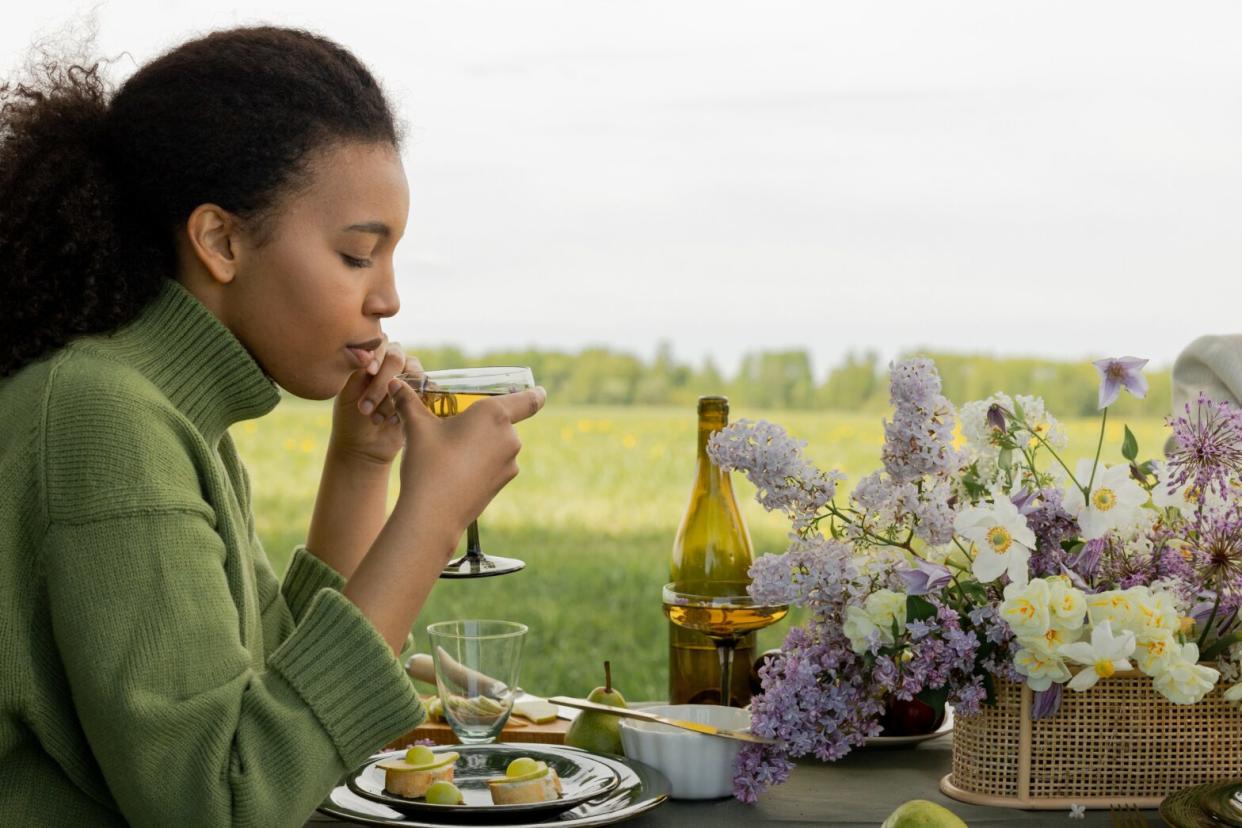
(582, 775)
(639, 789)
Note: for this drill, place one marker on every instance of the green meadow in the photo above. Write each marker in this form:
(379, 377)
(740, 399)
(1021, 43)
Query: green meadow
(593, 513)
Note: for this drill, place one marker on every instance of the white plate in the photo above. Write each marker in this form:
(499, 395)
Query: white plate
(897, 741)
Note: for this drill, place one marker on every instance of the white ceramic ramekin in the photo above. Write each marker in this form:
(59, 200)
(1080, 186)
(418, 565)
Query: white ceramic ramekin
(697, 766)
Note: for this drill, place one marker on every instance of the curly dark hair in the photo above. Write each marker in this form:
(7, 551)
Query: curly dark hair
(93, 185)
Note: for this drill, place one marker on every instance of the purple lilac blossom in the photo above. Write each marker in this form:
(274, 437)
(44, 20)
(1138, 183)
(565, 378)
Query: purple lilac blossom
(1118, 372)
(934, 513)
(919, 440)
(1208, 446)
(1051, 524)
(773, 462)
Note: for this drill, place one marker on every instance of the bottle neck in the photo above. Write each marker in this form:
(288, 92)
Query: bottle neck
(710, 422)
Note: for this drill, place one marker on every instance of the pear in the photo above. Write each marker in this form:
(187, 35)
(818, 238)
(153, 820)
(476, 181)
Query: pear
(598, 732)
(919, 813)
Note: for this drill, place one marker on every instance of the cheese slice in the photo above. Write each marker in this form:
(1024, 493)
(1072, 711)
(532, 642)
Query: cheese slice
(536, 710)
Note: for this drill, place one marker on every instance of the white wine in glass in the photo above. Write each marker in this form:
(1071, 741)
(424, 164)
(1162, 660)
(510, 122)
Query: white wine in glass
(452, 391)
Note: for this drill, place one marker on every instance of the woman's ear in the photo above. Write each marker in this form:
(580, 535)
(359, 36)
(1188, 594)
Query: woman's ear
(214, 235)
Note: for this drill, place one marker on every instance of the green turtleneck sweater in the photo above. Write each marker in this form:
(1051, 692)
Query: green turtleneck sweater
(153, 669)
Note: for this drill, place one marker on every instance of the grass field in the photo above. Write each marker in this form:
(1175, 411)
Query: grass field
(593, 514)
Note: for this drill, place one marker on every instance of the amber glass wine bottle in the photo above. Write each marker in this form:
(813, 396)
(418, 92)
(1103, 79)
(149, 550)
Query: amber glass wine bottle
(711, 555)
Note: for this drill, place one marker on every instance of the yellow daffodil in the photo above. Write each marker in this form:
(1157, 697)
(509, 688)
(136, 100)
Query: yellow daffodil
(1184, 680)
(1025, 608)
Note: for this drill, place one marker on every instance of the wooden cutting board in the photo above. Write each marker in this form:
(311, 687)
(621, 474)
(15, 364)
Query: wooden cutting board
(516, 730)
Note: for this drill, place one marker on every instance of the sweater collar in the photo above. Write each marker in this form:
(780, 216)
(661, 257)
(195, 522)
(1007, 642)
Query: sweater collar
(190, 355)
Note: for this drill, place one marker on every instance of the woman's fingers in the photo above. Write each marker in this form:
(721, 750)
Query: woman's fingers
(391, 362)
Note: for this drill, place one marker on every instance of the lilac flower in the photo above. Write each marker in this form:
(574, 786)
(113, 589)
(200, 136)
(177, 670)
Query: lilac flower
(919, 440)
(1051, 524)
(1208, 447)
(773, 462)
(1118, 372)
(924, 577)
(935, 512)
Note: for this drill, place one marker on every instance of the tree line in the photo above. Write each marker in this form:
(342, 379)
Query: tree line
(785, 379)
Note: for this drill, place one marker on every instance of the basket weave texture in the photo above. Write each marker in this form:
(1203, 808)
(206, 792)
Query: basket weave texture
(1120, 742)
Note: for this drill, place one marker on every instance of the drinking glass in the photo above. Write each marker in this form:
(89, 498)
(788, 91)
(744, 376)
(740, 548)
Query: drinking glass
(476, 664)
(724, 618)
(450, 392)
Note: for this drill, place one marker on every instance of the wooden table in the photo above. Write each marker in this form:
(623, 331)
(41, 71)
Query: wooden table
(860, 790)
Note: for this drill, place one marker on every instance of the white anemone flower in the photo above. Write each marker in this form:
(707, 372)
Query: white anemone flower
(1002, 539)
(1116, 500)
(1104, 655)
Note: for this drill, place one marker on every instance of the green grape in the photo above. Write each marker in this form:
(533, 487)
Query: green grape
(444, 793)
(420, 755)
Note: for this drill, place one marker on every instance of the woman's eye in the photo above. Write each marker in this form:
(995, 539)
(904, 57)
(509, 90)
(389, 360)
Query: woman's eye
(355, 262)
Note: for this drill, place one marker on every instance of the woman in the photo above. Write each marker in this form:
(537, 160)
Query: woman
(222, 225)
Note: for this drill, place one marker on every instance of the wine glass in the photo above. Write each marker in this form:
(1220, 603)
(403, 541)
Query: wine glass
(452, 391)
(725, 617)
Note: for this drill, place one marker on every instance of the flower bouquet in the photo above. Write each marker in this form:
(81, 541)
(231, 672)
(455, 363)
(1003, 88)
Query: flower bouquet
(978, 566)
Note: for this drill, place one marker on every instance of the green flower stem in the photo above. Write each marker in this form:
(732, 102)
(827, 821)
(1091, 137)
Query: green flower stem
(1086, 493)
(1208, 625)
(1046, 445)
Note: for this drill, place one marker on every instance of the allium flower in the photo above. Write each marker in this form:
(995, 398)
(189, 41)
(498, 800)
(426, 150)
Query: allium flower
(1208, 446)
(1116, 500)
(1118, 372)
(1218, 552)
(1001, 537)
(1104, 655)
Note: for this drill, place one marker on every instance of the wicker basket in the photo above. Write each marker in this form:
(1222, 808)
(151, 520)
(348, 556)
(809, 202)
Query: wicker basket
(1119, 743)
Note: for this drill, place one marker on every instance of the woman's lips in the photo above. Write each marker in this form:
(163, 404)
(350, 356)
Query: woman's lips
(362, 357)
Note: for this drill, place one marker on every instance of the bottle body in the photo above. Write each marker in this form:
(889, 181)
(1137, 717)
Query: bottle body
(712, 555)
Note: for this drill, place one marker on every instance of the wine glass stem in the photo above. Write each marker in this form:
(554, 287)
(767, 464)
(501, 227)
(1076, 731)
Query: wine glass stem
(474, 551)
(724, 651)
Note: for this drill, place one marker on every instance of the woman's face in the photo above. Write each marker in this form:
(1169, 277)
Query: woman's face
(322, 278)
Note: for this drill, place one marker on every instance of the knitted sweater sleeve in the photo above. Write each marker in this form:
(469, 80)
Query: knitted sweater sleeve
(1211, 365)
(189, 725)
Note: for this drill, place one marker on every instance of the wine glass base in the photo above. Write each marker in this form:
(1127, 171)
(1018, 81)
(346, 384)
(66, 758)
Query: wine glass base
(467, 567)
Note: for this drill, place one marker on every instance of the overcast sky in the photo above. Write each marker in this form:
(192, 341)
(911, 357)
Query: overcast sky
(1053, 178)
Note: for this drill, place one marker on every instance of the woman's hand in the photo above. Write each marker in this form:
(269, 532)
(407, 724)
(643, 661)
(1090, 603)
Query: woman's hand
(365, 424)
(461, 461)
